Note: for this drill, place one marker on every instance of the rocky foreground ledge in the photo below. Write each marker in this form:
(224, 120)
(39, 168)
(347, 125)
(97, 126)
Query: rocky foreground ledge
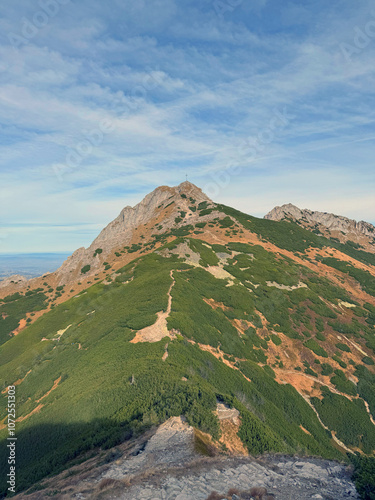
(284, 478)
(167, 468)
(167, 464)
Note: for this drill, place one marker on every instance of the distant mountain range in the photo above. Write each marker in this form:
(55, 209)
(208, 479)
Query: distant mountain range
(183, 307)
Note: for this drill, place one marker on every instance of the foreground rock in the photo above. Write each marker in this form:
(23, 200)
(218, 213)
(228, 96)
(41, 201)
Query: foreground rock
(284, 477)
(164, 464)
(168, 468)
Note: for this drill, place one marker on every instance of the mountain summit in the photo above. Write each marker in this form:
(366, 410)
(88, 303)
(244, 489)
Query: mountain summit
(120, 230)
(156, 213)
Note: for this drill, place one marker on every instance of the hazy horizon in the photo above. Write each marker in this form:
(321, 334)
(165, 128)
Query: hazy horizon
(30, 265)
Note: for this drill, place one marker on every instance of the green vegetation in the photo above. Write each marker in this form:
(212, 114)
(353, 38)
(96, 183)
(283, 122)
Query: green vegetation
(291, 236)
(208, 256)
(355, 429)
(207, 211)
(132, 388)
(342, 384)
(135, 247)
(309, 371)
(14, 308)
(98, 251)
(316, 348)
(365, 386)
(226, 222)
(203, 205)
(283, 234)
(275, 339)
(364, 476)
(326, 369)
(364, 278)
(343, 347)
(220, 249)
(342, 363)
(320, 336)
(85, 269)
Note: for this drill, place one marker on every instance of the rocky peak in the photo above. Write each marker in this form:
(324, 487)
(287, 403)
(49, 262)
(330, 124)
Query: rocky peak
(164, 204)
(324, 222)
(132, 217)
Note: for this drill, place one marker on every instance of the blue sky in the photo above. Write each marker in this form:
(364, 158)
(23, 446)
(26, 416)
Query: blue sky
(260, 102)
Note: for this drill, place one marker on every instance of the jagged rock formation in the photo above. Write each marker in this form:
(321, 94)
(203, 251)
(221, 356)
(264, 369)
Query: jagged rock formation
(165, 466)
(326, 223)
(119, 231)
(162, 205)
(182, 474)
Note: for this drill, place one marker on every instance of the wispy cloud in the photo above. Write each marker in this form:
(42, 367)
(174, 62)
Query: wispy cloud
(180, 88)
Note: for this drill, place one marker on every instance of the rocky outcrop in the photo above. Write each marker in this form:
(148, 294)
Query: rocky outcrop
(15, 279)
(121, 230)
(167, 467)
(321, 221)
(283, 478)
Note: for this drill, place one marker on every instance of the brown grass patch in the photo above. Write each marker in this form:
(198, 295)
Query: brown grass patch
(214, 495)
(229, 437)
(109, 483)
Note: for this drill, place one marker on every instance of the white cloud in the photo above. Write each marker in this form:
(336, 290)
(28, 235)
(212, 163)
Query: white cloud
(182, 89)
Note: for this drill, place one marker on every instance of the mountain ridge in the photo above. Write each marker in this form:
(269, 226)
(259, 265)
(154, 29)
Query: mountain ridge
(327, 224)
(262, 316)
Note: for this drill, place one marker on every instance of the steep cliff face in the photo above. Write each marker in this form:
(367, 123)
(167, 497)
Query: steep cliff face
(163, 204)
(120, 229)
(328, 224)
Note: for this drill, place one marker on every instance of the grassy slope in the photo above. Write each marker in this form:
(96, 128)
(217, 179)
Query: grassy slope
(111, 388)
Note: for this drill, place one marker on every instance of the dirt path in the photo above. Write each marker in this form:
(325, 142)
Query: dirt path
(159, 330)
(337, 441)
(307, 399)
(55, 384)
(368, 411)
